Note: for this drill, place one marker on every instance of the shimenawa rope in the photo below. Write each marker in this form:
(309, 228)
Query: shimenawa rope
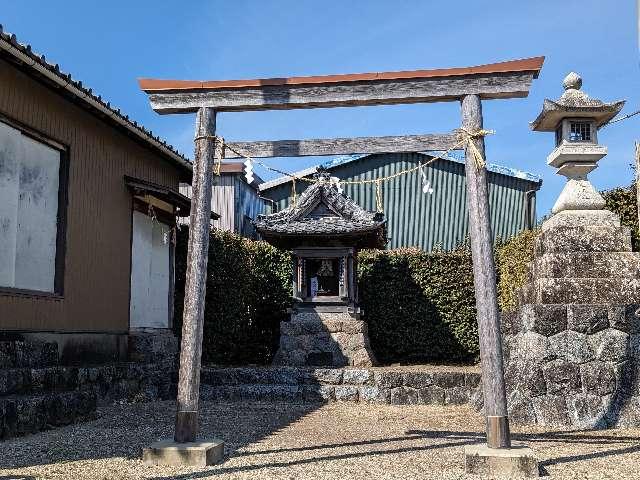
(465, 138)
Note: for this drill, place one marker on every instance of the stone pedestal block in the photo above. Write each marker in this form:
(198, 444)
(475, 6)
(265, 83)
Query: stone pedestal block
(193, 454)
(569, 348)
(516, 462)
(320, 338)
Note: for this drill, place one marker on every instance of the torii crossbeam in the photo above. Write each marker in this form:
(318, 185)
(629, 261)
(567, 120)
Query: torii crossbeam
(469, 86)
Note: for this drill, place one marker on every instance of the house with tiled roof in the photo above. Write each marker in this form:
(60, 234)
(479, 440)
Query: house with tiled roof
(88, 206)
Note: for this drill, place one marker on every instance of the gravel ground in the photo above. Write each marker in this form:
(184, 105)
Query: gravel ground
(284, 441)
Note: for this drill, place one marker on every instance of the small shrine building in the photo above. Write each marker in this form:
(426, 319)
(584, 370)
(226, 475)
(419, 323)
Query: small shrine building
(324, 229)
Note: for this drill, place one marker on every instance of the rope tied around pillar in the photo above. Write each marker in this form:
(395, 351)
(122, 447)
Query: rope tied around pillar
(218, 150)
(466, 138)
(379, 204)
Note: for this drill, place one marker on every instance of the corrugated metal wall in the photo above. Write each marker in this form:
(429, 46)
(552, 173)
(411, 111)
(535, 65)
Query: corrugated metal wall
(427, 220)
(248, 205)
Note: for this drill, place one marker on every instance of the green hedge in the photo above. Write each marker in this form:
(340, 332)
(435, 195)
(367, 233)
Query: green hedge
(248, 292)
(419, 306)
(623, 201)
(512, 264)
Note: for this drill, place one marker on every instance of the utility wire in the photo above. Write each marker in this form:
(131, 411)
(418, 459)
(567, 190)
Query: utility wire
(616, 120)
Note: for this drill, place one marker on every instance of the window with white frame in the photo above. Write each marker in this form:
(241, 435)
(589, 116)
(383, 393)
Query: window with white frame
(29, 198)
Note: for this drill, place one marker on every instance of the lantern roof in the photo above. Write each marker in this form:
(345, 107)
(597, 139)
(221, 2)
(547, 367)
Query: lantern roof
(576, 104)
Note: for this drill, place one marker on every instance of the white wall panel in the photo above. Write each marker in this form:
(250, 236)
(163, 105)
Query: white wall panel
(10, 157)
(150, 273)
(29, 184)
(37, 216)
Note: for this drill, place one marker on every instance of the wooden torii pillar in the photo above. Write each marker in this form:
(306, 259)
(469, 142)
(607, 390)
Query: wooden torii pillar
(469, 85)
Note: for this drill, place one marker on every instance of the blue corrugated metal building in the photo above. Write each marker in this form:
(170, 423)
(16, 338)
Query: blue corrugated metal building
(425, 220)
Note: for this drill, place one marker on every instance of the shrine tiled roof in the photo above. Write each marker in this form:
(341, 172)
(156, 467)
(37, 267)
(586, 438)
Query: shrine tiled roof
(321, 210)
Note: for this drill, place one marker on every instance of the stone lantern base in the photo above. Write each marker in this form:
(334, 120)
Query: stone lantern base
(572, 349)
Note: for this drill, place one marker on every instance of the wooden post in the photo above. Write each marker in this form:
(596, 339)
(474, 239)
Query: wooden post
(195, 286)
(350, 281)
(637, 157)
(295, 275)
(484, 278)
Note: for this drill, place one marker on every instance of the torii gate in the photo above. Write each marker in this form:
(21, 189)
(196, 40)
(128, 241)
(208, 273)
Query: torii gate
(469, 86)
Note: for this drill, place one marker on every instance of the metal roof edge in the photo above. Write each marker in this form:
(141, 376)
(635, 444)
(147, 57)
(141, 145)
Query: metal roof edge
(24, 53)
(284, 179)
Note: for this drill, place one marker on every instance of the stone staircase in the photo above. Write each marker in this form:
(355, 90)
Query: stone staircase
(36, 393)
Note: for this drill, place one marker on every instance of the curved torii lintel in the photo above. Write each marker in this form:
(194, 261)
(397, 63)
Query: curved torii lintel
(510, 79)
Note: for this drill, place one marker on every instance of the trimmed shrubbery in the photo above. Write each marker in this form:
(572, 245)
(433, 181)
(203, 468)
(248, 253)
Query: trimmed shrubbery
(623, 201)
(248, 292)
(419, 306)
(512, 265)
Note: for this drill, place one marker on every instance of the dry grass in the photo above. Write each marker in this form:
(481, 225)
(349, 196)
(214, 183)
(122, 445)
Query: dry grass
(284, 441)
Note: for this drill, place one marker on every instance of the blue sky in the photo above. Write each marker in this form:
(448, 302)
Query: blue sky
(108, 45)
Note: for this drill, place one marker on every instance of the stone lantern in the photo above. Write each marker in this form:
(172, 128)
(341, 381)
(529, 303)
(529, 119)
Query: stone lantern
(572, 344)
(575, 118)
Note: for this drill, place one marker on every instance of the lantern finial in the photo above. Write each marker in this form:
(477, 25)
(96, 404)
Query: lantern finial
(572, 81)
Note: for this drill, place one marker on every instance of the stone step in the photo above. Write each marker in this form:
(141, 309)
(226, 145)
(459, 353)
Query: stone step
(248, 375)
(21, 354)
(336, 384)
(581, 291)
(320, 316)
(586, 265)
(305, 325)
(583, 239)
(329, 307)
(23, 414)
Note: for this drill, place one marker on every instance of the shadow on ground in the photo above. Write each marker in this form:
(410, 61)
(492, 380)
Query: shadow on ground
(124, 430)
(257, 439)
(445, 439)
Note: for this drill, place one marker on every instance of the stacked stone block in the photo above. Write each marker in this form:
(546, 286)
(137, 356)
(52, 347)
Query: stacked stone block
(317, 337)
(320, 385)
(36, 393)
(572, 347)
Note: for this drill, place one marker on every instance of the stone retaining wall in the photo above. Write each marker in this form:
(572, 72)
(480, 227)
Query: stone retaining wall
(33, 399)
(314, 385)
(36, 393)
(572, 348)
